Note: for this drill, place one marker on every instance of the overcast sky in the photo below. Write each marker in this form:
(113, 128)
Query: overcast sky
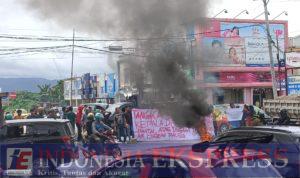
(17, 20)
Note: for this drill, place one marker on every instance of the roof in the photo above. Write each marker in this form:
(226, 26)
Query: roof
(41, 120)
(276, 128)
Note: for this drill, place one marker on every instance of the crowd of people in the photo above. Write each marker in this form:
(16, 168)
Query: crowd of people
(89, 121)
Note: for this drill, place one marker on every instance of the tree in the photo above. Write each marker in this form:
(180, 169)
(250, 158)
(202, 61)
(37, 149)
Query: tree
(44, 89)
(24, 100)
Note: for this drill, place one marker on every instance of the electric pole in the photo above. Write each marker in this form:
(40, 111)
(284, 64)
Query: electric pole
(72, 68)
(274, 84)
(279, 64)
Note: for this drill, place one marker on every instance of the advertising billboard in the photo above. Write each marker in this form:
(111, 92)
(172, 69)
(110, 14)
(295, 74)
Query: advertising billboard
(293, 59)
(244, 42)
(76, 89)
(111, 85)
(86, 86)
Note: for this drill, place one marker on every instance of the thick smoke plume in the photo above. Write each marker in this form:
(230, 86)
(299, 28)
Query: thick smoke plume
(159, 23)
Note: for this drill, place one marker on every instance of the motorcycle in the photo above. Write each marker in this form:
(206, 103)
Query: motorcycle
(103, 144)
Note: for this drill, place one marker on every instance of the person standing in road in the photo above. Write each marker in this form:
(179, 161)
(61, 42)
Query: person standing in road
(19, 115)
(122, 125)
(128, 117)
(71, 116)
(8, 116)
(78, 121)
(115, 124)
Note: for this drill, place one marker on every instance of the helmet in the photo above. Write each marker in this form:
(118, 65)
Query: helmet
(90, 116)
(99, 116)
(8, 117)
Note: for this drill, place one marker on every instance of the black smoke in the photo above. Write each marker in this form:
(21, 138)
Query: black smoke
(157, 26)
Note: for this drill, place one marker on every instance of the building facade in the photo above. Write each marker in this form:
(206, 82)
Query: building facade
(233, 63)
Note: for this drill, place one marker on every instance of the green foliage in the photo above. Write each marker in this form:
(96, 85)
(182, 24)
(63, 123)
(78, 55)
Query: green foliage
(25, 100)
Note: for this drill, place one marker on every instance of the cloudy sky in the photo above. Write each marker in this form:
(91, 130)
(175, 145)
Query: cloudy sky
(16, 20)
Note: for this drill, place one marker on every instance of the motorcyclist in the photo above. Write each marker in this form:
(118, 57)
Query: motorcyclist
(98, 127)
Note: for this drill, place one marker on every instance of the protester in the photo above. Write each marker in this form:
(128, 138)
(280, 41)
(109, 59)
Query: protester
(33, 114)
(255, 117)
(63, 113)
(78, 121)
(98, 127)
(8, 116)
(88, 125)
(84, 117)
(115, 117)
(41, 112)
(128, 116)
(122, 125)
(51, 114)
(19, 115)
(71, 116)
(246, 115)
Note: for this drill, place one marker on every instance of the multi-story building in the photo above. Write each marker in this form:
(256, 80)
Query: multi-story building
(233, 59)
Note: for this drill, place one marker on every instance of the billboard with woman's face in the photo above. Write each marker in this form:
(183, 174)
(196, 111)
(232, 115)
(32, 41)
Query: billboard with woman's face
(243, 43)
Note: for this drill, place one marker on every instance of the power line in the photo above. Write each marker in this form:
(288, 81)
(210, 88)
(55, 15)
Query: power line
(55, 38)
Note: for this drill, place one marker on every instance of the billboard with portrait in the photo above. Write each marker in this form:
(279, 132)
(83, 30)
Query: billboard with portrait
(256, 42)
(244, 42)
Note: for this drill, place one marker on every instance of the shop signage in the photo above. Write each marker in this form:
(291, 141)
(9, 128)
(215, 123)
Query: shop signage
(293, 59)
(293, 85)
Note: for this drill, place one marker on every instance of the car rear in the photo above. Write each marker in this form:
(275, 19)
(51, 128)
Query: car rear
(44, 144)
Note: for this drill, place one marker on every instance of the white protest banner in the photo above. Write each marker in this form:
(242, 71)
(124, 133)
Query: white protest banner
(149, 125)
(234, 114)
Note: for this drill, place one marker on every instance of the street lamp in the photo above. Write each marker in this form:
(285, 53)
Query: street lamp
(284, 12)
(224, 10)
(247, 12)
(260, 15)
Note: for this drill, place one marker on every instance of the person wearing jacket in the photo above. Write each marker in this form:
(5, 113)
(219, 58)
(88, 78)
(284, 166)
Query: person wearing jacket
(98, 127)
(78, 121)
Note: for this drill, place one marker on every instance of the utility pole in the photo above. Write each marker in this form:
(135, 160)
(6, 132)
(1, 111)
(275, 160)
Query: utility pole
(279, 65)
(274, 84)
(72, 68)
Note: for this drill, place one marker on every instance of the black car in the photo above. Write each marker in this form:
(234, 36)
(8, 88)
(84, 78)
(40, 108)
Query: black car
(29, 145)
(281, 142)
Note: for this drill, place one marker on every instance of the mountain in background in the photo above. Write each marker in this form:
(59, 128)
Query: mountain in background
(23, 84)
